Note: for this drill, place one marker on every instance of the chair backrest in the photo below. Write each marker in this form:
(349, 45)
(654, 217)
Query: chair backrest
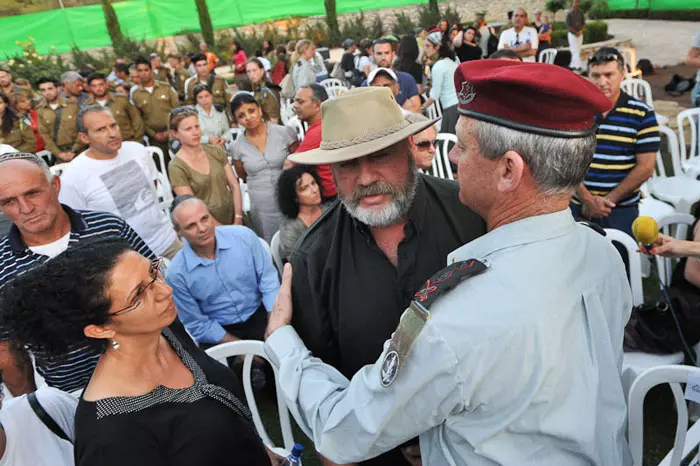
(639, 89)
(250, 349)
(674, 375)
(548, 56)
(46, 155)
(634, 262)
(266, 246)
(672, 145)
(675, 225)
(441, 163)
(690, 117)
(299, 126)
(163, 188)
(334, 87)
(286, 110)
(275, 247)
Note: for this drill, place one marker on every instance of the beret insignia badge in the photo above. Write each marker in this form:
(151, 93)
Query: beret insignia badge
(466, 95)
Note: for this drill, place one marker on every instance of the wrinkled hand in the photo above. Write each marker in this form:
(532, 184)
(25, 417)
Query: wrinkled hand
(597, 207)
(281, 313)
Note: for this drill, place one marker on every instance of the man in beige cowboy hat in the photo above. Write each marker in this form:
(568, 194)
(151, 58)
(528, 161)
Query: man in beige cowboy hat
(356, 269)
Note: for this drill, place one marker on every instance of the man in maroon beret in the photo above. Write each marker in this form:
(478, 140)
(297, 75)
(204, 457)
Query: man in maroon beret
(511, 355)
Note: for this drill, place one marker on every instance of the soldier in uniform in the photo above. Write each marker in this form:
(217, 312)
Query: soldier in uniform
(161, 72)
(12, 89)
(128, 117)
(155, 100)
(178, 75)
(15, 128)
(216, 84)
(57, 121)
(73, 88)
(511, 355)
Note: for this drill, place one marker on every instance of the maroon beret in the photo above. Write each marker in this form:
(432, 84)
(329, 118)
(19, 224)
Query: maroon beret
(530, 97)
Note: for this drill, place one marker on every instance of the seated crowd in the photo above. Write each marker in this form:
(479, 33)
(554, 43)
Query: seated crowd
(113, 297)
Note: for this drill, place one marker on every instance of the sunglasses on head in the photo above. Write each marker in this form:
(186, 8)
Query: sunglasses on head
(426, 144)
(604, 58)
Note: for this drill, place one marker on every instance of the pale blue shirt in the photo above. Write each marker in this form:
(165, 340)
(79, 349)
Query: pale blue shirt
(518, 365)
(224, 291)
(443, 82)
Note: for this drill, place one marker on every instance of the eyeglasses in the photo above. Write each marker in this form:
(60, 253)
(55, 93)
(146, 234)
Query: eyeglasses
(156, 273)
(426, 144)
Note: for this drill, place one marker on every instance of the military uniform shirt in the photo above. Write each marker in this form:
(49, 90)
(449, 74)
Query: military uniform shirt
(21, 136)
(67, 134)
(219, 90)
(517, 366)
(155, 107)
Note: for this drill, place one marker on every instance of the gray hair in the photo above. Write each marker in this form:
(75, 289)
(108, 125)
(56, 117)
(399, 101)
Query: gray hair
(71, 76)
(30, 158)
(319, 92)
(558, 165)
(181, 199)
(80, 123)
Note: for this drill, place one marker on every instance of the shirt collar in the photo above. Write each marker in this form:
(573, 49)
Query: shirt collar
(192, 260)
(521, 232)
(77, 224)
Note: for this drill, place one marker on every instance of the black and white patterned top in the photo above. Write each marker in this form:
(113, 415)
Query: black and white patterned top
(203, 424)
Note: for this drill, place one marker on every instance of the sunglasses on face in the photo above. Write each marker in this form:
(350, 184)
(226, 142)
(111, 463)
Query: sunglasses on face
(426, 144)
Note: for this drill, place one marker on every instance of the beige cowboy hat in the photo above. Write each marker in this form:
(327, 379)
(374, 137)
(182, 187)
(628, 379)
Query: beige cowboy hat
(360, 122)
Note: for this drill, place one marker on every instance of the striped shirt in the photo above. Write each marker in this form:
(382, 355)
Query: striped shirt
(72, 371)
(628, 130)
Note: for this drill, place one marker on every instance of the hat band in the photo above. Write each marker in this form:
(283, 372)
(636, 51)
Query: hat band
(332, 145)
(542, 131)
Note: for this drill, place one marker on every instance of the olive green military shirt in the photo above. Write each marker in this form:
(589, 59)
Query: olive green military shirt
(178, 79)
(64, 137)
(21, 136)
(155, 107)
(269, 101)
(219, 91)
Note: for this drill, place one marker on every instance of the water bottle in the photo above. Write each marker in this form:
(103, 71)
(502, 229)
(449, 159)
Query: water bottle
(295, 456)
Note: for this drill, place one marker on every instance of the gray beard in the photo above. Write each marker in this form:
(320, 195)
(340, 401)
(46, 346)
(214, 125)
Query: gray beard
(401, 200)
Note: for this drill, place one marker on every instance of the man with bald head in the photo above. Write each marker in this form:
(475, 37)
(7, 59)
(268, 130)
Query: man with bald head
(223, 280)
(521, 39)
(42, 228)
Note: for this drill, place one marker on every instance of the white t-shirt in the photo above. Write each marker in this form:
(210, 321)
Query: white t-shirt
(515, 39)
(29, 441)
(52, 249)
(103, 102)
(53, 106)
(123, 186)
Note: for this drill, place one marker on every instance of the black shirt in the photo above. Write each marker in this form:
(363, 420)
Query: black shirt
(200, 425)
(468, 52)
(414, 69)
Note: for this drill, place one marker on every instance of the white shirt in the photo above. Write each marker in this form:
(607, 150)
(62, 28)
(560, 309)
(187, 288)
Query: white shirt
(516, 39)
(519, 365)
(7, 149)
(52, 250)
(103, 102)
(54, 106)
(214, 123)
(123, 186)
(29, 441)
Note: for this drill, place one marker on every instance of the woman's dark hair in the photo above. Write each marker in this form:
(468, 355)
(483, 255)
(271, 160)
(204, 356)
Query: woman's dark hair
(201, 87)
(477, 34)
(9, 116)
(287, 188)
(257, 62)
(237, 44)
(408, 53)
(47, 308)
(364, 46)
(268, 46)
(241, 99)
(445, 51)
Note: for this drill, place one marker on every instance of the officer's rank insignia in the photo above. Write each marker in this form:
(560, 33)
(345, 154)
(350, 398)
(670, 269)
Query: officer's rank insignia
(414, 318)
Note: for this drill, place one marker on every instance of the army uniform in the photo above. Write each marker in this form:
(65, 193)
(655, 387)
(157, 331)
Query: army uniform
(17, 90)
(128, 117)
(217, 85)
(59, 136)
(162, 74)
(269, 100)
(155, 109)
(21, 136)
(178, 79)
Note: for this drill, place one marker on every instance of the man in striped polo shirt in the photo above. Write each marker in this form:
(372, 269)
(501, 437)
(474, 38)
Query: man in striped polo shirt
(42, 229)
(625, 156)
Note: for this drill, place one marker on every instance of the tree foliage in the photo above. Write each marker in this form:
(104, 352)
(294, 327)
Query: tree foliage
(205, 22)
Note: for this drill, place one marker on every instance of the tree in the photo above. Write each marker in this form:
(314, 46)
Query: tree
(113, 28)
(554, 6)
(205, 22)
(332, 20)
(433, 5)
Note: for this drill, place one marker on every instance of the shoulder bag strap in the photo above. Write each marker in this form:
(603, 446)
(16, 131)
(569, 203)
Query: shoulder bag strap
(45, 417)
(57, 124)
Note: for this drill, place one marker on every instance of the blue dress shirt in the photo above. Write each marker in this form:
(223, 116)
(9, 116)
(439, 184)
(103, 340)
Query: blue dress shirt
(224, 291)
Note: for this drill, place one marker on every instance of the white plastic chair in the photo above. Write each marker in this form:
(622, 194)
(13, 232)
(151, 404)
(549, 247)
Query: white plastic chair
(163, 188)
(299, 126)
(548, 56)
(286, 110)
(639, 89)
(690, 161)
(266, 247)
(275, 247)
(679, 190)
(634, 262)
(685, 439)
(441, 163)
(434, 111)
(250, 349)
(675, 225)
(650, 207)
(46, 155)
(334, 87)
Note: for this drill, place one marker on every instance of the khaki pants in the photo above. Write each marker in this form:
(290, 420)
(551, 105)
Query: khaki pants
(172, 249)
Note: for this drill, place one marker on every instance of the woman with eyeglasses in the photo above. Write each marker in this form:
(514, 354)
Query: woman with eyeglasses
(203, 169)
(154, 398)
(442, 87)
(258, 156)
